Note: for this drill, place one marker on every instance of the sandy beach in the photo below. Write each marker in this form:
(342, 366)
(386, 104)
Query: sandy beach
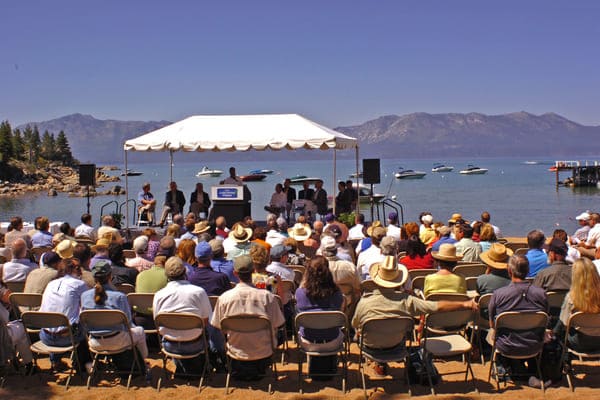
(46, 386)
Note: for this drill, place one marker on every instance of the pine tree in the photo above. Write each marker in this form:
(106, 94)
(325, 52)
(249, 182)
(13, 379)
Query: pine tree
(35, 145)
(63, 149)
(48, 146)
(18, 145)
(6, 150)
(27, 138)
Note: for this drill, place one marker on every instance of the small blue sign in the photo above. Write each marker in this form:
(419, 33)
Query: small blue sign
(227, 193)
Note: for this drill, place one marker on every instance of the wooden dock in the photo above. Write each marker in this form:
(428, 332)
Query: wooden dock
(586, 173)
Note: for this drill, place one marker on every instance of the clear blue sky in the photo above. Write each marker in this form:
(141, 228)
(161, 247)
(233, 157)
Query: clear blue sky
(337, 62)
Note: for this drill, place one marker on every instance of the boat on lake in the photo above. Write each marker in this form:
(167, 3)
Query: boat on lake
(205, 171)
(130, 172)
(365, 194)
(253, 178)
(261, 171)
(299, 180)
(355, 175)
(473, 170)
(409, 174)
(441, 168)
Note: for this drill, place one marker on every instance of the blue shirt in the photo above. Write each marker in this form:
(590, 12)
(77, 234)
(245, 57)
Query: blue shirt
(443, 239)
(63, 295)
(213, 282)
(42, 239)
(115, 300)
(225, 266)
(538, 260)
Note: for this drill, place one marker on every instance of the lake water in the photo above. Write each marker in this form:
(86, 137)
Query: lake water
(520, 197)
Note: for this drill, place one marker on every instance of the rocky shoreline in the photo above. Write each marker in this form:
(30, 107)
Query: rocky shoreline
(59, 179)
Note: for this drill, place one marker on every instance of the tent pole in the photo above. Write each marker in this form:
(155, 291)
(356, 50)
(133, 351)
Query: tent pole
(171, 165)
(334, 178)
(357, 182)
(126, 194)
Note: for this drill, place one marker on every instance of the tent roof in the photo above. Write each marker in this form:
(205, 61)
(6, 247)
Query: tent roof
(241, 133)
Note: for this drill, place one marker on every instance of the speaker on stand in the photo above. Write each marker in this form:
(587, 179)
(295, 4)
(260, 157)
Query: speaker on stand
(371, 175)
(87, 177)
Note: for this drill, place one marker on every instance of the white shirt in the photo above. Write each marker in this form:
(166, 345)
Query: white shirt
(233, 181)
(367, 258)
(278, 200)
(17, 270)
(356, 232)
(86, 230)
(594, 236)
(280, 270)
(393, 231)
(181, 297)
(63, 295)
(274, 237)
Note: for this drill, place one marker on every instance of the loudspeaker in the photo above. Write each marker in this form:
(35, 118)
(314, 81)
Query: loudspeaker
(371, 173)
(87, 174)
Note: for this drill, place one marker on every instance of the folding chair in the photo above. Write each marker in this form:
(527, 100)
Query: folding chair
(213, 301)
(37, 320)
(323, 320)
(470, 270)
(129, 253)
(182, 322)
(245, 324)
(472, 286)
(521, 251)
(519, 321)
(299, 268)
(555, 301)
(22, 302)
(390, 334)
(125, 288)
(582, 323)
(417, 285)
(15, 287)
(101, 324)
(413, 273)
(283, 330)
(298, 275)
(37, 252)
(141, 303)
(482, 322)
(444, 336)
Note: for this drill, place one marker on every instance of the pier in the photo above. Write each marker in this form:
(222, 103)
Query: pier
(585, 173)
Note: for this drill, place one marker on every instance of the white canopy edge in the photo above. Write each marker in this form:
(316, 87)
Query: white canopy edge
(202, 133)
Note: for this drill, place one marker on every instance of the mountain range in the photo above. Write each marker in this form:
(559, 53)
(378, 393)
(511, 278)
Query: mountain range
(409, 136)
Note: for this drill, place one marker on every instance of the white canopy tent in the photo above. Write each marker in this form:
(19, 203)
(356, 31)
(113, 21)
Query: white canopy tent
(241, 133)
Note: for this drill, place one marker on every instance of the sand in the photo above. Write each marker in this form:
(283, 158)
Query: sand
(45, 385)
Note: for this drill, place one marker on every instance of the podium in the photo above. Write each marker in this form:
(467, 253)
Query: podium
(231, 201)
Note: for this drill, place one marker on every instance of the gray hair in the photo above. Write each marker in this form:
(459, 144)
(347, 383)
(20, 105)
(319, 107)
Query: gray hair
(518, 266)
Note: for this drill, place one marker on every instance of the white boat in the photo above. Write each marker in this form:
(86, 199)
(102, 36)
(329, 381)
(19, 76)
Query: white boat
(365, 194)
(354, 175)
(130, 172)
(209, 172)
(409, 174)
(441, 168)
(473, 170)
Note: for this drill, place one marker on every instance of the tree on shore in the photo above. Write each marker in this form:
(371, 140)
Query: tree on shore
(6, 146)
(63, 150)
(18, 145)
(48, 146)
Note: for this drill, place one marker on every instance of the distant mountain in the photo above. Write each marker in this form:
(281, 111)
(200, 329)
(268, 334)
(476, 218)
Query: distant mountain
(391, 136)
(474, 135)
(95, 140)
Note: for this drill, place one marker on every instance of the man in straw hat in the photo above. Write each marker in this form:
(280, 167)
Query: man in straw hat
(254, 348)
(240, 237)
(389, 300)
(496, 275)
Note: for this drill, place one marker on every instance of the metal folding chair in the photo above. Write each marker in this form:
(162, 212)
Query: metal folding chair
(22, 302)
(323, 320)
(582, 323)
(101, 324)
(37, 320)
(182, 322)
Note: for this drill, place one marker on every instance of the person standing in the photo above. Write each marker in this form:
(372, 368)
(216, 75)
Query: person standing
(174, 202)
(320, 198)
(290, 193)
(199, 201)
(232, 179)
(147, 203)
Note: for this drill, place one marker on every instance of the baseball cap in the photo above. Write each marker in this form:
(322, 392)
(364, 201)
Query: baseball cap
(203, 250)
(174, 267)
(101, 268)
(279, 250)
(584, 216)
(558, 246)
(243, 264)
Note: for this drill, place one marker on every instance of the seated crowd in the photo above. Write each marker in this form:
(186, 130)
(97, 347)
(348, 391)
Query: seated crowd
(217, 271)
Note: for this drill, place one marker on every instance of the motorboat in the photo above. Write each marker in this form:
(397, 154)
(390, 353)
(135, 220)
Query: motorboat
(253, 177)
(261, 171)
(299, 180)
(130, 172)
(409, 174)
(473, 170)
(355, 175)
(209, 172)
(441, 168)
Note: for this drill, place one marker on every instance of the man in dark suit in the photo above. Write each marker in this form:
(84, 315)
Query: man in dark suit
(291, 196)
(199, 201)
(320, 198)
(174, 202)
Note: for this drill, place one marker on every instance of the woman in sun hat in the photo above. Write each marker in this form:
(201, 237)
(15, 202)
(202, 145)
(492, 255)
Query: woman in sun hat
(445, 281)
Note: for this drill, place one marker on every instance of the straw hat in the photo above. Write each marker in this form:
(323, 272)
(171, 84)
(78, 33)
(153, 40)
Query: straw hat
(374, 225)
(65, 249)
(240, 234)
(497, 256)
(299, 232)
(201, 227)
(455, 217)
(103, 242)
(388, 273)
(447, 252)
